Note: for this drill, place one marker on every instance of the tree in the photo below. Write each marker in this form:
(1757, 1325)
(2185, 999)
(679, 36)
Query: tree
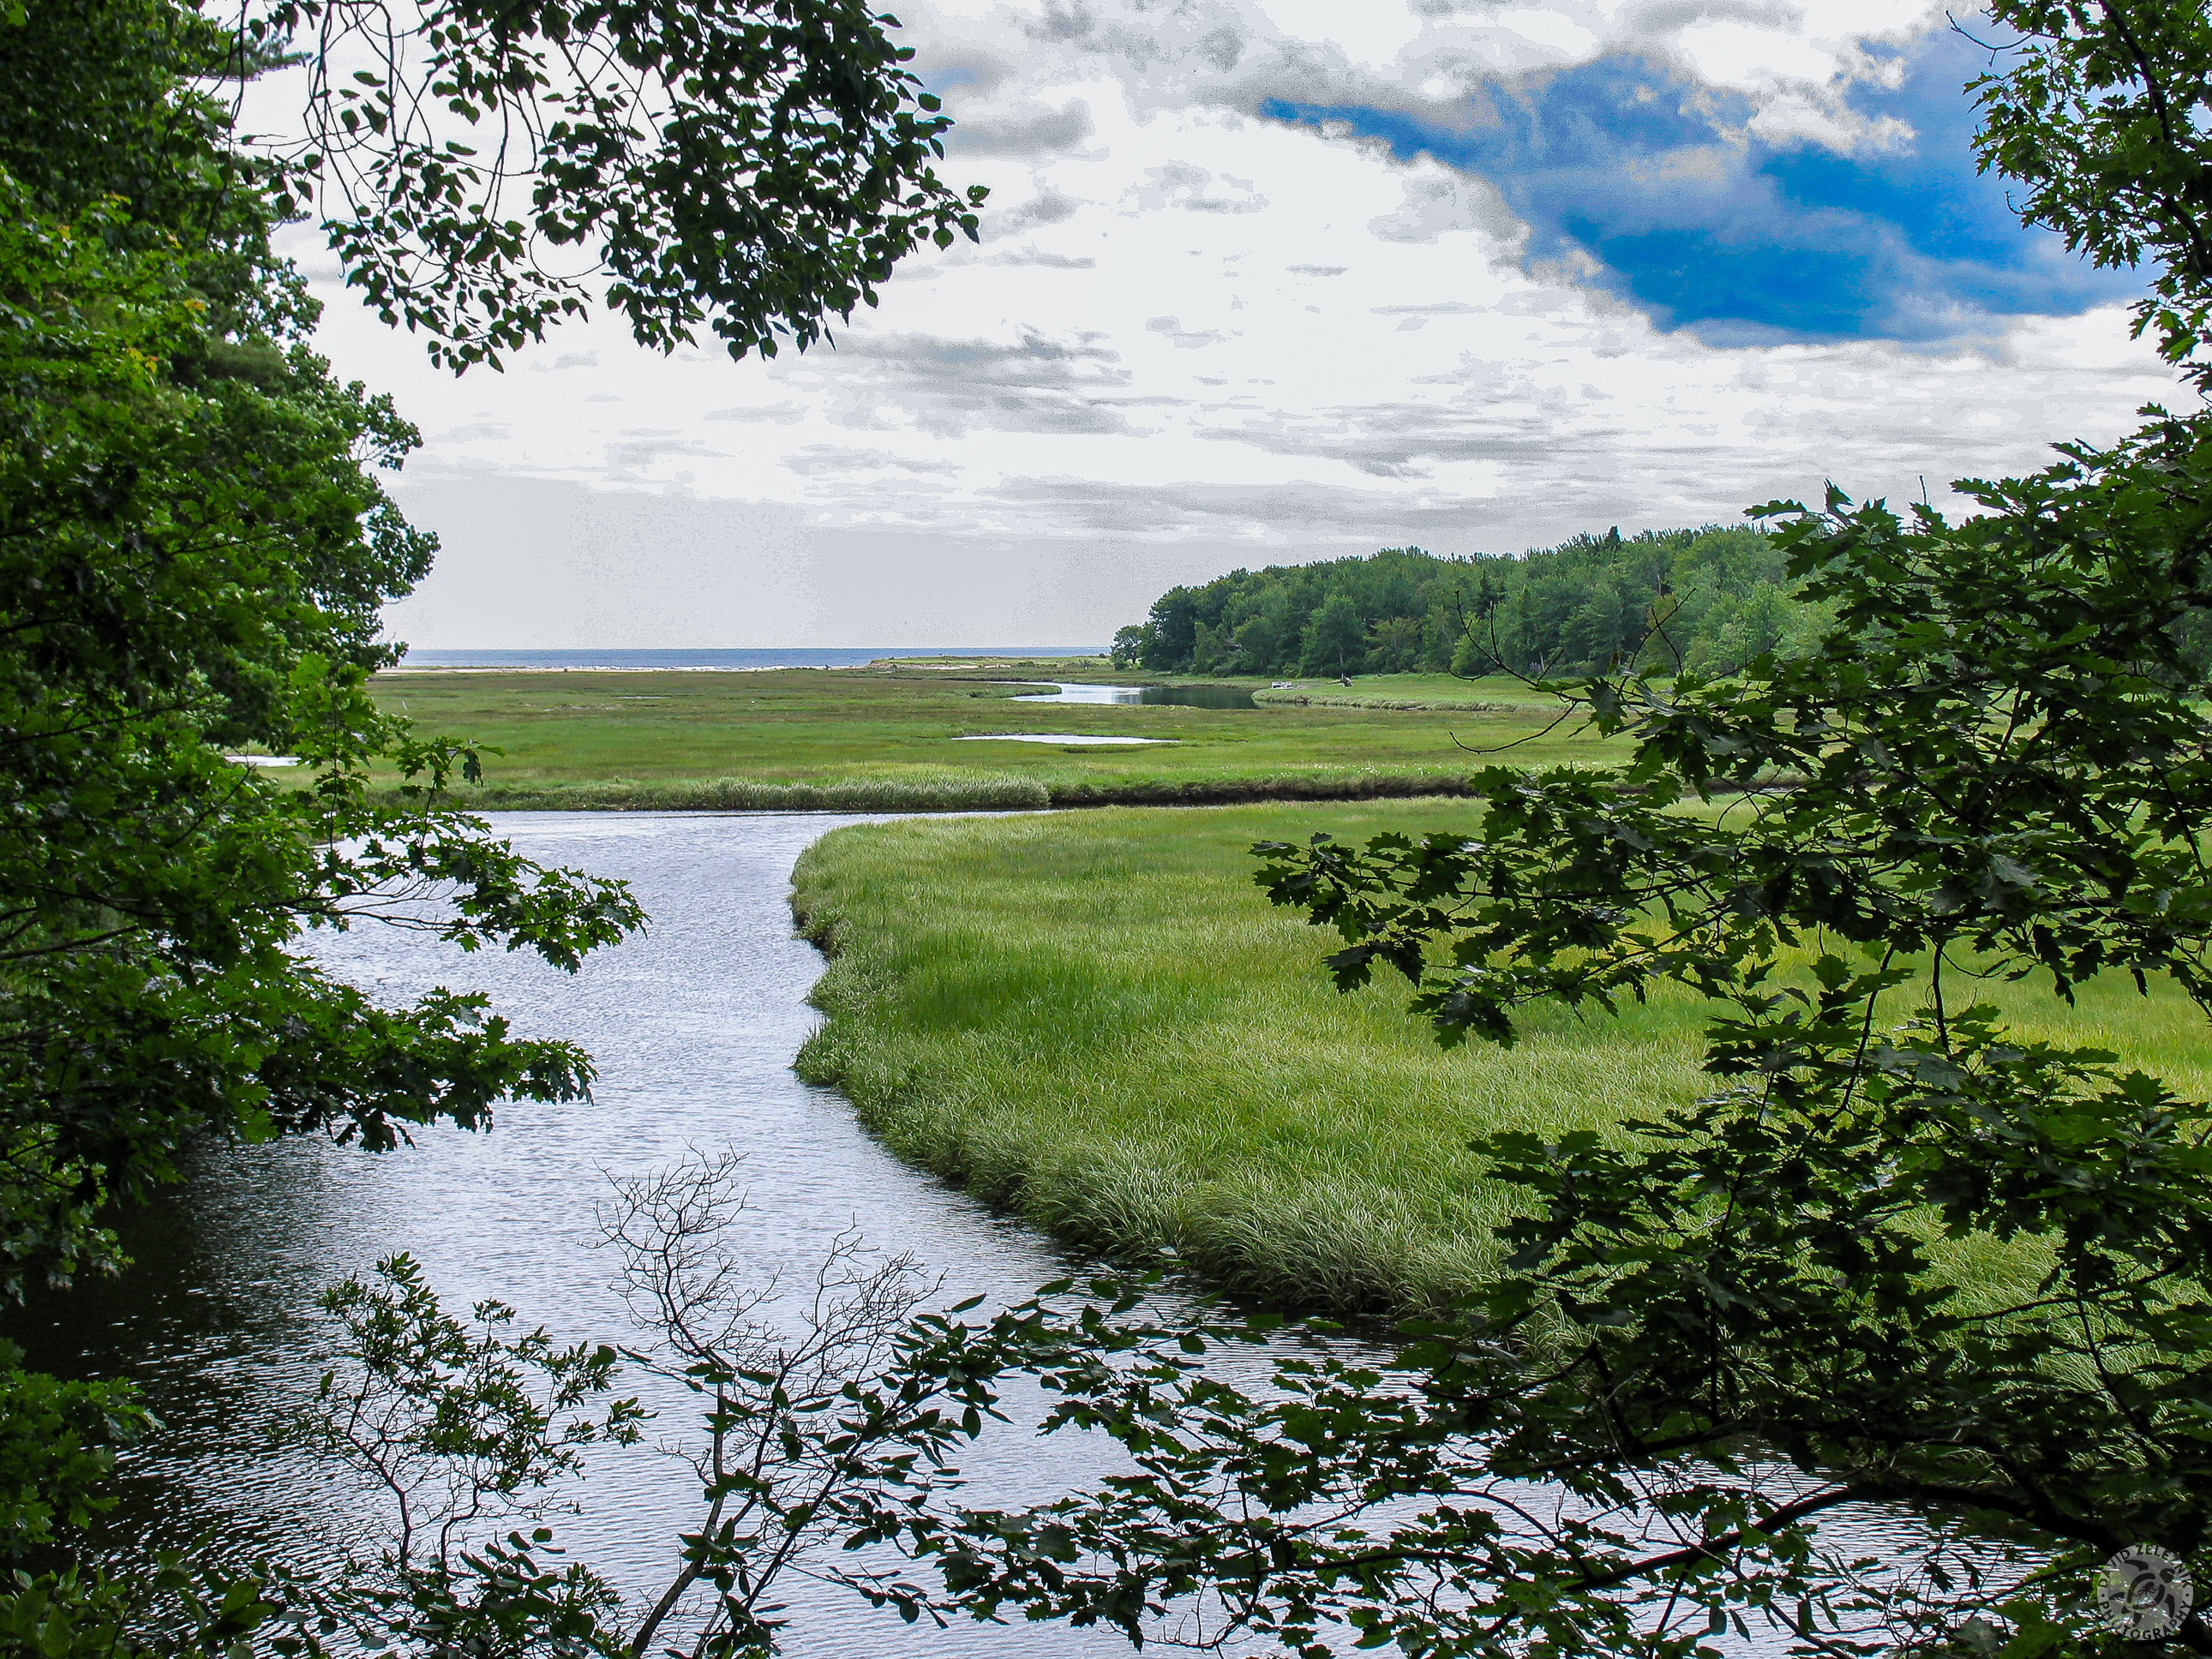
(1571, 607)
(2101, 115)
(194, 549)
(829, 1406)
(1394, 645)
(1901, 1255)
(1335, 642)
(753, 165)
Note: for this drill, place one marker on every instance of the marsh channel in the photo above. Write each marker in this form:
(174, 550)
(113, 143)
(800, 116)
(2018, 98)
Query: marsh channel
(694, 1027)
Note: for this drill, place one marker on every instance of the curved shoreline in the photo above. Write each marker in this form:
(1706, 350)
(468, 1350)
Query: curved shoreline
(1098, 1026)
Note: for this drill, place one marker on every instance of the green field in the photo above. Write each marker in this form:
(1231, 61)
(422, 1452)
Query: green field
(1097, 1022)
(866, 738)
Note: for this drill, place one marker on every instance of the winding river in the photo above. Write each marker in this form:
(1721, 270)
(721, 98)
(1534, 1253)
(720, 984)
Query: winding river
(693, 1027)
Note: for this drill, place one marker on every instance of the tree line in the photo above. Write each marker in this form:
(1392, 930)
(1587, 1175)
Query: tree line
(1709, 600)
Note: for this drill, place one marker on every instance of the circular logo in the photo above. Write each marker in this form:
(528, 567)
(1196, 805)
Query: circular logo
(2145, 1593)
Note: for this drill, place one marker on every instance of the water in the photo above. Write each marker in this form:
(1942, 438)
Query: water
(1182, 696)
(804, 656)
(694, 1027)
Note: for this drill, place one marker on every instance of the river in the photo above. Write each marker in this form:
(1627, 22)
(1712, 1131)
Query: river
(693, 1026)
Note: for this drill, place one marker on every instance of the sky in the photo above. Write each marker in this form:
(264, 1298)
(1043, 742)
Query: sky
(1268, 281)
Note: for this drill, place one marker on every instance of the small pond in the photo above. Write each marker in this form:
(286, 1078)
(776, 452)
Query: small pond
(1180, 696)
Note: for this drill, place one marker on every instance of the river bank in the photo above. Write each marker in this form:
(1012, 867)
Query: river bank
(980, 792)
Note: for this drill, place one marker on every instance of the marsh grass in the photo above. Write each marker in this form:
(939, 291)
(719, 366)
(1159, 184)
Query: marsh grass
(926, 793)
(889, 740)
(1097, 1022)
(1404, 699)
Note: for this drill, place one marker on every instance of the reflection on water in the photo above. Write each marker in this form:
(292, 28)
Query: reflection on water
(694, 1027)
(1180, 697)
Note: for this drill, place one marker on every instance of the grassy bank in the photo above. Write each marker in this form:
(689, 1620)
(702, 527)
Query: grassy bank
(1097, 1022)
(897, 739)
(1407, 693)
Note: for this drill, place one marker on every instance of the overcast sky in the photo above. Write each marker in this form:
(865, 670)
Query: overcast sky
(1262, 283)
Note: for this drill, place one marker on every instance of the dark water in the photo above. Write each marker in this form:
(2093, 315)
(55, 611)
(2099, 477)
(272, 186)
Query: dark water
(1180, 697)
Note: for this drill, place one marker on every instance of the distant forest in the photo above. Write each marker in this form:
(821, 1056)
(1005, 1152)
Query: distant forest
(1710, 599)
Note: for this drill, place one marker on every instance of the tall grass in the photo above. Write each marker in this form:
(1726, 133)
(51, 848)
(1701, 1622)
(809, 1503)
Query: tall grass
(1305, 698)
(867, 740)
(1097, 1022)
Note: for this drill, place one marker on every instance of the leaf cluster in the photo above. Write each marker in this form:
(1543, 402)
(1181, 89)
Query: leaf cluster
(745, 166)
(2102, 112)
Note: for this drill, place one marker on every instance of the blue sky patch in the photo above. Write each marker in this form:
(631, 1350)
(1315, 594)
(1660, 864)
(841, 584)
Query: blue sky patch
(1706, 227)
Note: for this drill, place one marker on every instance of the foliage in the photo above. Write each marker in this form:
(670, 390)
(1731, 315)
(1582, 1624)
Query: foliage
(194, 549)
(1710, 599)
(751, 164)
(1996, 765)
(828, 1404)
(2102, 114)
(169, 551)
(58, 1446)
(456, 1424)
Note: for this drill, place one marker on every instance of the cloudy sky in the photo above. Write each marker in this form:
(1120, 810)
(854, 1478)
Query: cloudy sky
(1264, 281)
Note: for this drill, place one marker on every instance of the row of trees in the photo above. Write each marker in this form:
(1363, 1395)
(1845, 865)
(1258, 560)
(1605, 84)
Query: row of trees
(1710, 600)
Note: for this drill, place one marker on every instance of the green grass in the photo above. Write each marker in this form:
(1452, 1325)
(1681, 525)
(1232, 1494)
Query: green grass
(1097, 1022)
(1408, 692)
(889, 740)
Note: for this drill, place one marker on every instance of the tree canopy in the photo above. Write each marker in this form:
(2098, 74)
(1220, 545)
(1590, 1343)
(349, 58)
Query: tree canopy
(1709, 599)
(195, 547)
(749, 166)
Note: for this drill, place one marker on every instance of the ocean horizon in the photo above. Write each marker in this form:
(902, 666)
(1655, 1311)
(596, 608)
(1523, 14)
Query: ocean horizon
(736, 656)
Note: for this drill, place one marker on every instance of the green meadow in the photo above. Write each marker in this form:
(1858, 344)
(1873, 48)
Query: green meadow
(1094, 1020)
(1097, 1022)
(896, 738)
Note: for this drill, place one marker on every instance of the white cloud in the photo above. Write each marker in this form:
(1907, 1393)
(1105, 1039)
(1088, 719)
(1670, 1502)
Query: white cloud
(1212, 335)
